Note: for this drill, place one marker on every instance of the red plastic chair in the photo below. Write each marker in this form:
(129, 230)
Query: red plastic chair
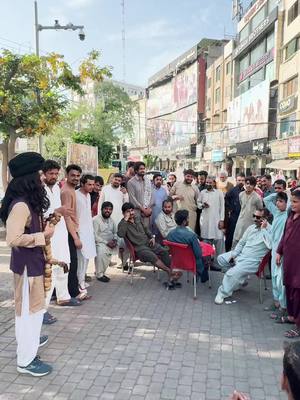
(133, 259)
(261, 274)
(182, 257)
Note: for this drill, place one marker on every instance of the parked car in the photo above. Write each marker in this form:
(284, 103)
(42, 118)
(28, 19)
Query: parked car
(153, 172)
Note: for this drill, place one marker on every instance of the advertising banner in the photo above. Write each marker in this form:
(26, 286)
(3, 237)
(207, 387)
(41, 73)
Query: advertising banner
(160, 100)
(248, 115)
(279, 149)
(84, 156)
(294, 147)
(185, 87)
(185, 125)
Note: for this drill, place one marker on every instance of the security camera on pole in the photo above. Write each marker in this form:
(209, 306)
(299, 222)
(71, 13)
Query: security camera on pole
(56, 26)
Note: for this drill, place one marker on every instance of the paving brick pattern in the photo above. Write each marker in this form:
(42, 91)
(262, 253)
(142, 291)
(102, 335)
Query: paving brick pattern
(143, 342)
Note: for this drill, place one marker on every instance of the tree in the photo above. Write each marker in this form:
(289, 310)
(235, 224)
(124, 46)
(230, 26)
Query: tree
(106, 124)
(150, 161)
(32, 98)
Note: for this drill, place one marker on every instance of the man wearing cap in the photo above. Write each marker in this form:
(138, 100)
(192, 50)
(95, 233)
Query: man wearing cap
(24, 203)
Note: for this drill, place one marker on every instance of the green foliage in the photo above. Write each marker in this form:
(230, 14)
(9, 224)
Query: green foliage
(32, 98)
(150, 161)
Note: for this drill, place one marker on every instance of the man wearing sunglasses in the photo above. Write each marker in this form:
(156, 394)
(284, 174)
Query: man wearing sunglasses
(246, 257)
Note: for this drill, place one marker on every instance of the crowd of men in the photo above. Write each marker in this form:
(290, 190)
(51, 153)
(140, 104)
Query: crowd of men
(243, 220)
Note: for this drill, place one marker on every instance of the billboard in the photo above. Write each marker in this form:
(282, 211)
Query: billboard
(160, 100)
(248, 114)
(185, 126)
(83, 155)
(160, 131)
(185, 87)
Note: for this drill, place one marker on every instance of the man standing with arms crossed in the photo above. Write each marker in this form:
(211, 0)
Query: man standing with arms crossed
(68, 199)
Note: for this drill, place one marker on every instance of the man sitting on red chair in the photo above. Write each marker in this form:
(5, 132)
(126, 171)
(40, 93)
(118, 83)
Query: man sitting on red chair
(183, 234)
(132, 228)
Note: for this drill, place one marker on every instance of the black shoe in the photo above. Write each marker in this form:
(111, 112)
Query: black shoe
(103, 279)
(169, 285)
(126, 267)
(213, 268)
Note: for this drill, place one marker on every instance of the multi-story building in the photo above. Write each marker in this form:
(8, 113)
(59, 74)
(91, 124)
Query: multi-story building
(219, 92)
(176, 107)
(286, 148)
(252, 113)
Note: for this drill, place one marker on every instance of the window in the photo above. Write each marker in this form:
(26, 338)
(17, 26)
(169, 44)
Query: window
(270, 71)
(293, 11)
(208, 83)
(228, 91)
(244, 33)
(244, 63)
(291, 48)
(217, 98)
(270, 41)
(244, 86)
(258, 18)
(272, 4)
(208, 104)
(290, 87)
(288, 126)
(257, 52)
(218, 73)
(228, 68)
(257, 78)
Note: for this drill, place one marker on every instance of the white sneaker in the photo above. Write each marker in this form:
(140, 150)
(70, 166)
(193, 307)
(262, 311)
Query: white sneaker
(219, 299)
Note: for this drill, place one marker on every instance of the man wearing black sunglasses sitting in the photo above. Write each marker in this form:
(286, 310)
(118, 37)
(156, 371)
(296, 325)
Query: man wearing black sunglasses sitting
(246, 257)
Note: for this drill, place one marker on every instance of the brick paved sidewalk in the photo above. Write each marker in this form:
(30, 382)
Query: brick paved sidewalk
(143, 342)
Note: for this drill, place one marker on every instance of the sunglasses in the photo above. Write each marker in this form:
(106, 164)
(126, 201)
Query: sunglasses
(256, 216)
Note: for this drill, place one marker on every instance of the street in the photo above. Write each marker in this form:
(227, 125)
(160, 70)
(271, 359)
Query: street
(143, 342)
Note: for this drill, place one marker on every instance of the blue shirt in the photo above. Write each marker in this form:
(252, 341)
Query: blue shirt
(182, 234)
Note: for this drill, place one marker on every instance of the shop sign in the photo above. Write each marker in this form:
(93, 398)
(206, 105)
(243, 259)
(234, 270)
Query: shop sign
(217, 155)
(207, 155)
(261, 62)
(199, 150)
(231, 151)
(279, 149)
(259, 146)
(244, 149)
(262, 27)
(253, 10)
(294, 147)
(287, 105)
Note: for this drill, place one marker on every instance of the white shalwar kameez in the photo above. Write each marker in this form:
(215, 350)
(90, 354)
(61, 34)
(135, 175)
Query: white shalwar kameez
(59, 248)
(248, 254)
(86, 235)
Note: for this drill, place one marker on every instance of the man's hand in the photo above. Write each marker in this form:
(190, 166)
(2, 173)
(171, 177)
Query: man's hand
(127, 215)
(78, 244)
(146, 211)
(264, 224)
(123, 190)
(278, 259)
(152, 242)
(178, 197)
(48, 231)
(239, 396)
(64, 211)
(111, 244)
(205, 205)
(221, 225)
(232, 260)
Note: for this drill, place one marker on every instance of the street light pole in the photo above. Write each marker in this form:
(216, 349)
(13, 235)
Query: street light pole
(56, 26)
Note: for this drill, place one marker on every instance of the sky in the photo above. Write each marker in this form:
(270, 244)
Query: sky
(157, 31)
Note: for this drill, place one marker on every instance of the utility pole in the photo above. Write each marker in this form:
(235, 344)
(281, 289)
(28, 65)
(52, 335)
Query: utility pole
(56, 26)
(123, 40)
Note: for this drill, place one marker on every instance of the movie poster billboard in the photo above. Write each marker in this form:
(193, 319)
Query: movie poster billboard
(248, 115)
(160, 131)
(83, 155)
(185, 87)
(160, 101)
(185, 126)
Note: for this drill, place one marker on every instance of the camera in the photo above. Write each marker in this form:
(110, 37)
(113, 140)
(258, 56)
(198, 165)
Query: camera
(81, 34)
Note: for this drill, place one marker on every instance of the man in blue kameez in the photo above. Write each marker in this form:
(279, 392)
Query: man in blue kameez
(276, 203)
(183, 234)
(246, 257)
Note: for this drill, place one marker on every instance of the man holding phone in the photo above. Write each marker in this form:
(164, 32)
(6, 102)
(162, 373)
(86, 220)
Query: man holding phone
(246, 257)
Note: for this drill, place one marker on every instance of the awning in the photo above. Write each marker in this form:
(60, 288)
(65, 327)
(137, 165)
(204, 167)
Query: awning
(296, 164)
(287, 165)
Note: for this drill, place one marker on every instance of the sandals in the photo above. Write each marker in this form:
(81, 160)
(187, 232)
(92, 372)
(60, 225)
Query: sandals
(283, 319)
(292, 333)
(72, 302)
(271, 308)
(175, 275)
(48, 319)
